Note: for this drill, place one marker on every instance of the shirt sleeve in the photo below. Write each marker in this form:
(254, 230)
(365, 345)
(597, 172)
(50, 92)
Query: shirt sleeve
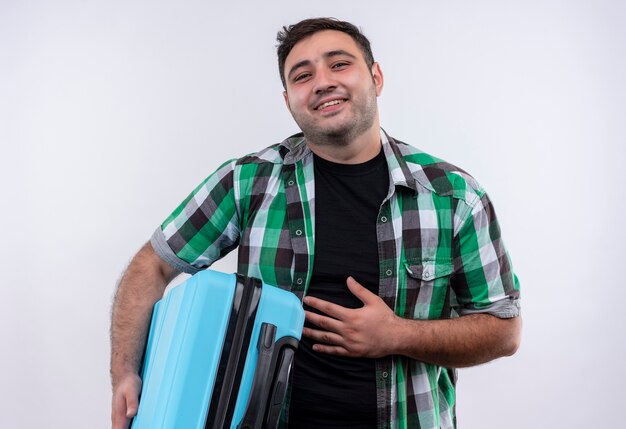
(483, 278)
(204, 227)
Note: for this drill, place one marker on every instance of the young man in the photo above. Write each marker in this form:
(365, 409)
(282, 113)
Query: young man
(385, 244)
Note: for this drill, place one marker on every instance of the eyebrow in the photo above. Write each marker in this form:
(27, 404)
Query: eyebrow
(326, 55)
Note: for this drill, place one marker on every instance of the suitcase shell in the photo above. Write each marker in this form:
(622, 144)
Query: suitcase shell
(218, 354)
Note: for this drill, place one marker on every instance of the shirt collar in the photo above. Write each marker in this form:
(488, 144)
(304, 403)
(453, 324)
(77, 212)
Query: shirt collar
(399, 172)
(294, 148)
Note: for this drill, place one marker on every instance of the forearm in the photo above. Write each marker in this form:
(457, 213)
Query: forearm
(141, 286)
(460, 342)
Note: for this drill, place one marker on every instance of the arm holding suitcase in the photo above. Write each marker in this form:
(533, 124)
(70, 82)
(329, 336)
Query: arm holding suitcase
(141, 286)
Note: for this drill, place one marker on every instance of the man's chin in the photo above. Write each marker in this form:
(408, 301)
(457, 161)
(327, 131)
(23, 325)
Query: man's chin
(331, 136)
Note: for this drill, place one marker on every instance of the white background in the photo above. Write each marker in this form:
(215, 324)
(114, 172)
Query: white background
(112, 111)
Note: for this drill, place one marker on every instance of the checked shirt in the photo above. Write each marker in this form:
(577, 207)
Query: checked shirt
(439, 245)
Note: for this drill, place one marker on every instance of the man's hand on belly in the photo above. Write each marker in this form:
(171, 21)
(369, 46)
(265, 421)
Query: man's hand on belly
(367, 331)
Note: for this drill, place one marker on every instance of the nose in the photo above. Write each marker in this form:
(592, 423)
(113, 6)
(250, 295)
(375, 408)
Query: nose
(324, 81)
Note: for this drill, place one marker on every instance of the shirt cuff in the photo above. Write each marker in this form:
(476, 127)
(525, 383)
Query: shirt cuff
(504, 309)
(160, 246)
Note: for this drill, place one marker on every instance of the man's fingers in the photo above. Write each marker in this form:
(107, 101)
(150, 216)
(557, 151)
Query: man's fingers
(125, 401)
(333, 310)
(331, 350)
(329, 343)
(132, 404)
(119, 418)
(360, 291)
(325, 337)
(322, 321)
(337, 311)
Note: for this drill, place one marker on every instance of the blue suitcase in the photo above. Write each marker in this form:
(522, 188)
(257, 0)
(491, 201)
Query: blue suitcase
(218, 354)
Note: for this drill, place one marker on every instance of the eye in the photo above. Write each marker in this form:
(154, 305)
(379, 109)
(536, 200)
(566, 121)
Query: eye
(339, 65)
(302, 76)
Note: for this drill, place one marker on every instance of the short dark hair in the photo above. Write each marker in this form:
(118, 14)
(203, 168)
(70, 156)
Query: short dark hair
(289, 36)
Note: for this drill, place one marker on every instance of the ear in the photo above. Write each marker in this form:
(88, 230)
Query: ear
(286, 97)
(377, 75)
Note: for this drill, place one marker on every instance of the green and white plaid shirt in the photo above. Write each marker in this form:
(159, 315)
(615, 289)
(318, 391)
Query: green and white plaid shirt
(440, 251)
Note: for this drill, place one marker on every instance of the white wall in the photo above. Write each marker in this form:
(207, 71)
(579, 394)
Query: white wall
(112, 111)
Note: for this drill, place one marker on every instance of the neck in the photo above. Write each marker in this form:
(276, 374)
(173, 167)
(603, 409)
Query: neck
(358, 150)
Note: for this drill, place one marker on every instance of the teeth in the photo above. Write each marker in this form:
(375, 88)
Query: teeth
(330, 103)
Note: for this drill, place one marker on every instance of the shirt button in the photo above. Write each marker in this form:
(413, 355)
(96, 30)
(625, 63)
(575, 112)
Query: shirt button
(427, 275)
(389, 272)
(298, 232)
(385, 375)
(299, 281)
(383, 218)
(290, 183)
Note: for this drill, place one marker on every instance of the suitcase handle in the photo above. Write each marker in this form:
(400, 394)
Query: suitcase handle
(253, 416)
(270, 380)
(281, 379)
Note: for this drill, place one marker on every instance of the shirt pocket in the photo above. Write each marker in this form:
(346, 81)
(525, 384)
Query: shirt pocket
(427, 284)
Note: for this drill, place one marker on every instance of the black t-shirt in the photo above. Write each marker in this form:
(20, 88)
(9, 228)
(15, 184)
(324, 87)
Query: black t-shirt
(334, 391)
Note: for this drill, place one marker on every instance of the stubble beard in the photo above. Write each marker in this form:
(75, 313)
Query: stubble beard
(361, 120)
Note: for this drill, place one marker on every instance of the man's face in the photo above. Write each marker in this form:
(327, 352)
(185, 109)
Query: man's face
(330, 91)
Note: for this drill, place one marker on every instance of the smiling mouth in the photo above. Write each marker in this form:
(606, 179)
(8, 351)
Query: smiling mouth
(330, 103)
